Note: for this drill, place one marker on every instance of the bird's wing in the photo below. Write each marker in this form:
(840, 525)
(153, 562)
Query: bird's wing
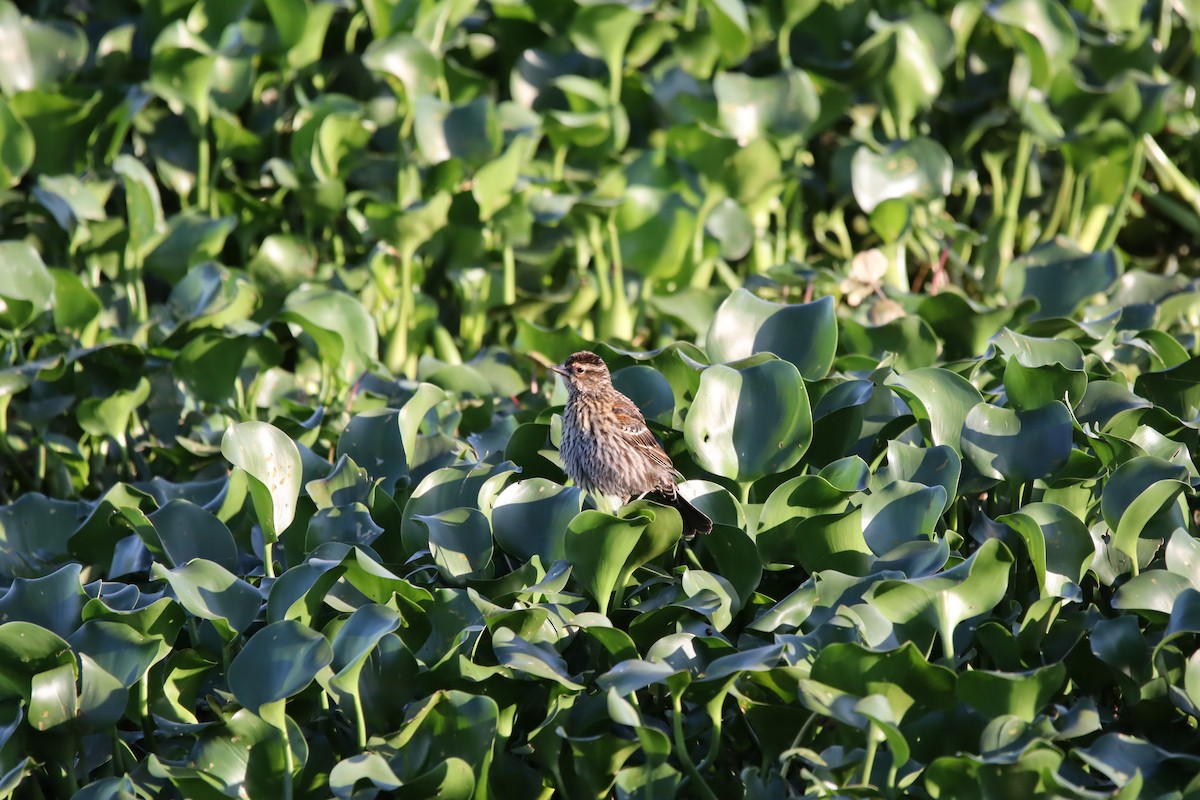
(633, 426)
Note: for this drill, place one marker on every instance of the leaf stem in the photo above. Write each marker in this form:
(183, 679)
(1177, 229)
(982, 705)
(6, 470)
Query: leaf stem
(689, 766)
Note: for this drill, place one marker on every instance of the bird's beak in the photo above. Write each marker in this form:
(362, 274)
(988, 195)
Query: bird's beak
(560, 369)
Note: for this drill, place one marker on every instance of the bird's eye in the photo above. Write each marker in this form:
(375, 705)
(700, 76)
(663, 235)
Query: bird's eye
(579, 370)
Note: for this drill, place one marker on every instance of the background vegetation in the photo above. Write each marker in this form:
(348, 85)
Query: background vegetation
(905, 286)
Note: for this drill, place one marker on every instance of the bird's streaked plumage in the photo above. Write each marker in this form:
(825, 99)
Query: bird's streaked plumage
(606, 447)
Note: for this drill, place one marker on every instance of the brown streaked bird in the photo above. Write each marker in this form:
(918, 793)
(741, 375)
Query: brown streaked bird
(606, 447)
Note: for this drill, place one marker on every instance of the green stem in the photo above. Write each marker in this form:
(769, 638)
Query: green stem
(360, 722)
(268, 560)
(1061, 203)
(510, 276)
(689, 766)
(620, 314)
(144, 712)
(203, 169)
(872, 747)
(1012, 207)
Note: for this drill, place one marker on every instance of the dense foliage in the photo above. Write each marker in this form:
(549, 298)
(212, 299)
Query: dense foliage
(903, 285)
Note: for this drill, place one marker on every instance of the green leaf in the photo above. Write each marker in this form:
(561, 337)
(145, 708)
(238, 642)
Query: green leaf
(344, 332)
(408, 60)
(750, 421)
(26, 286)
(1060, 548)
(1139, 499)
(373, 439)
(1017, 446)
(187, 531)
(53, 700)
(460, 541)
(277, 662)
(211, 592)
(804, 334)
(919, 170)
(731, 28)
(530, 518)
(271, 461)
(110, 416)
(1021, 694)
(901, 512)
(468, 132)
(940, 400)
(603, 550)
(16, 146)
(781, 105)
(209, 366)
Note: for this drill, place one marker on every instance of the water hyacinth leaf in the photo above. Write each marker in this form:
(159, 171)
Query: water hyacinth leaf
(919, 169)
(964, 325)
(1176, 389)
(120, 650)
(602, 30)
(1139, 499)
(355, 641)
(657, 228)
(940, 400)
(271, 462)
(460, 541)
(16, 147)
(143, 204)
(910, 338)
(75, 305)
(209, 364)
(408, 60)
(53, 601)
(468, 132)
(211, 592)
(822, 542)
(1044, 30)
(181, 65)
(931, 466)
(187, 531)
(749, 422)
(696, 582)
(349, 524)
(277, 662)
(102, 698)
(1183, 555)
(1021, 694)
(1153, 592)
(941, 602)
(804, 334)
(1017, 446)
(344, 332)
(109, 416)
(1060, 277)
(530, 518)
(373, 440)
(53, 699)
(731, 28)
(900, 512)
(598, 546)
(346, 484)
(783, 104)
(537, 660)
(633, 674)
(26, 286)
(1060, 549)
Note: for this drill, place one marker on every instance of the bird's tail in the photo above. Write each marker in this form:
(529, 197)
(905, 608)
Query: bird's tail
(694, 520)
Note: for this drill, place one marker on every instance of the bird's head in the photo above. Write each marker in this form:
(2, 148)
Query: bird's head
(584, 372)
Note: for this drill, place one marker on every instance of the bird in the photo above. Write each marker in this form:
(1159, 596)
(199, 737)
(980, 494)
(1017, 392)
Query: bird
(606, 447)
